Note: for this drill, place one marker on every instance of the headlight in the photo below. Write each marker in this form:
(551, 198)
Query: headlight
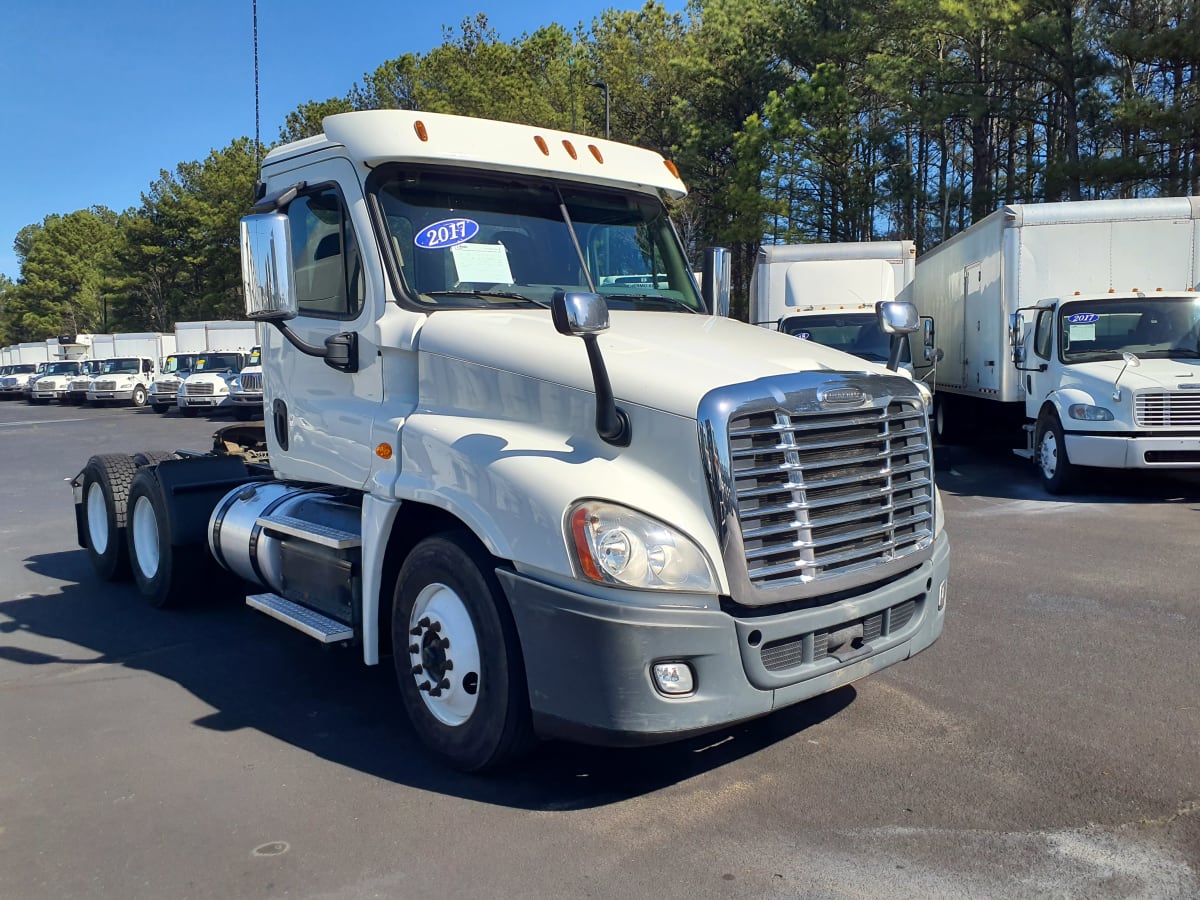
(616, 545)
(1089, 413)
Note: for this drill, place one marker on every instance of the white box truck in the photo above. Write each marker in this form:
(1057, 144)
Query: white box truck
(567, 506)
(126, 376)
(207, 386)
(828, 293)
(193, 340)
(27, 361)
(101, 347)
(1078, 320)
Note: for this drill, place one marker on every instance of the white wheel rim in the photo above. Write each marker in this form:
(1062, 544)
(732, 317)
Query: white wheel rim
(145, 537)
(1049, 455)
(97, 518)
(450, 692)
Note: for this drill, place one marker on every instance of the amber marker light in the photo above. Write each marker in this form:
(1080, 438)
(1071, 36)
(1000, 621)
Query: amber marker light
(541, 142)
(384, 451)
(596, 153)
(671, 168)
(579, 525)
(419, 128)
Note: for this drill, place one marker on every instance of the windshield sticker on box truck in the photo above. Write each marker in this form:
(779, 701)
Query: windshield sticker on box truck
(1083, 318)
(446, 233)
(482, 263)
(804, 335)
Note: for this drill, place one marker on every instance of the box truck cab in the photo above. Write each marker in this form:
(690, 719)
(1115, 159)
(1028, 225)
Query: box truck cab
(828, 293)
(246, 391)
(124, 379)
(207, 384)
(16, 382)
(55, 382)
(567, 506)
(164, 391)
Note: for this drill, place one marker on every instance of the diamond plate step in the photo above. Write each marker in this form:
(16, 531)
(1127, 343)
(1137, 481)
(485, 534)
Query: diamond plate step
(311, 622)
(313, 532)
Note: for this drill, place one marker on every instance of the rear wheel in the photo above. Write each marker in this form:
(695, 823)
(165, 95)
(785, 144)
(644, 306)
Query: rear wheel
(106, 480)
(166, 575)
(462, 679)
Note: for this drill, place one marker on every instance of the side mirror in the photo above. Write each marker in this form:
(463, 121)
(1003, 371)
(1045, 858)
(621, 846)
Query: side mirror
(585, 315)
(579, 313)
(1016, 330)
(928, 332)
(716, 280)
(899, 319)
(267, 276)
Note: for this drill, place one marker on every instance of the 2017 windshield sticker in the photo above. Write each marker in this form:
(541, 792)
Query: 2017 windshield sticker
(446, 233)
(804, 335)
(1083, 318)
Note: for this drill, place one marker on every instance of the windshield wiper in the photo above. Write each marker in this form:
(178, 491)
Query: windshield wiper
(653, 298)
(501, 295)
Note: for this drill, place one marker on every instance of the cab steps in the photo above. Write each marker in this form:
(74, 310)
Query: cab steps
(309, 621)
(313, 532)
(1027, 452)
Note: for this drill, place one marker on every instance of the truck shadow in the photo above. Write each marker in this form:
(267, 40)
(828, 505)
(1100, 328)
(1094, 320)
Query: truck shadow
(255, 674)
(989, 470)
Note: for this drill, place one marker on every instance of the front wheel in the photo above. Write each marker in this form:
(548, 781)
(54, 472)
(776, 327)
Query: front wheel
(139, 396)
(462, 679)
(106, 480)
(1057, 471)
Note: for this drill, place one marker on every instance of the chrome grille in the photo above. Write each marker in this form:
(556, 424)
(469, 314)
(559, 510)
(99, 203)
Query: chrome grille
(251, 383)
(1164, 410)
(821, 482)
(106, 385)
(166, 386)
(198, 388)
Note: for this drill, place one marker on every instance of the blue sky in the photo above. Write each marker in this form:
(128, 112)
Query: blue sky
(97, 97)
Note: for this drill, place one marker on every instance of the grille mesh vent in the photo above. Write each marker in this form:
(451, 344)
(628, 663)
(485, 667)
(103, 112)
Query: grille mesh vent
(1163, 410)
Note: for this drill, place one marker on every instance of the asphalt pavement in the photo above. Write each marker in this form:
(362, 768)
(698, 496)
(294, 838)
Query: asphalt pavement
(1047, 745)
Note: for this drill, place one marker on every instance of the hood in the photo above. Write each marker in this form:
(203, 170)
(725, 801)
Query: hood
(663, 360)
(1151, 375)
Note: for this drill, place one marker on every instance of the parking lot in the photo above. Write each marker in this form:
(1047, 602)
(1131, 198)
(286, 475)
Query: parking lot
(1048, 744)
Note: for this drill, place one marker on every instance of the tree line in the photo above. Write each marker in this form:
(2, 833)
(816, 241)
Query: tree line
(790, 121)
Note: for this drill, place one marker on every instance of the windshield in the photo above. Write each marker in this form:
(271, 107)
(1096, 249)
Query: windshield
(218, 362)
(120, 367)
(23, 369)
(1167, 328)
(182, 362)
(63, 368)
(472, 239)
(857, 333)
(255, 357)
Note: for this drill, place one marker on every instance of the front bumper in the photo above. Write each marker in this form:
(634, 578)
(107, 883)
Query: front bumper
(102, 396)
(1133, 451)
(588, 660)
(245, 399)
(203, 401)
(52, 394)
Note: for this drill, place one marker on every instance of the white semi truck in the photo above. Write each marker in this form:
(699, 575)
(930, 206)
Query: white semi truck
(565, 506)
(827, 293)
(1079, 320)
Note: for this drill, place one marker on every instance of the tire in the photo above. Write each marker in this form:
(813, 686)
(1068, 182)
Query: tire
(106, 480)
(188, 412)
(160, 408)
(943, 419)
(150, 457)
(1057, 472)
(449, 611)
(242, 413)
(166, 575)
(140, 396)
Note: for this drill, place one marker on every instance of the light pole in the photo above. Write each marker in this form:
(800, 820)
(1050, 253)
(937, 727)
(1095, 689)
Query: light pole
(603, 85)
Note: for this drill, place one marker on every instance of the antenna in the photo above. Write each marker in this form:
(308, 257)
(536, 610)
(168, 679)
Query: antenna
(257, 145)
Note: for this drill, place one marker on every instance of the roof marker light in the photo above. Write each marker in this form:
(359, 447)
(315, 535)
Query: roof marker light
(596, 153)
(671, 168)
(419, 128)
(541, 142)
(570, 150)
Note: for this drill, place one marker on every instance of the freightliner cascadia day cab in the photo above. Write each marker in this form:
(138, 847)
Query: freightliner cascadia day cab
(828, 293)
(566, 506)
(1080, 320)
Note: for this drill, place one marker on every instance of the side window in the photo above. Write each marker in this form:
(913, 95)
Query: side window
(1043, 337)
(325, 256)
